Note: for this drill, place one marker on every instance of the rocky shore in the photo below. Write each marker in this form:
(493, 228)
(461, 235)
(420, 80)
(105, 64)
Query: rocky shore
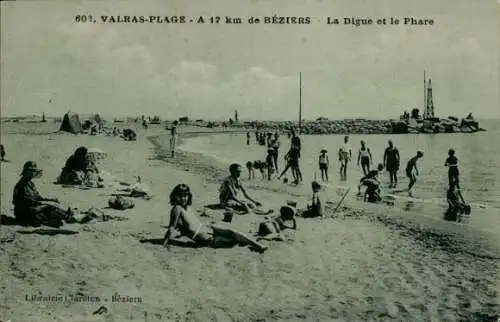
(349, 126)
(319, 126)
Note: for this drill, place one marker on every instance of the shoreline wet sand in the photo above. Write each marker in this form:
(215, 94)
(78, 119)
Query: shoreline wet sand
(357, 265)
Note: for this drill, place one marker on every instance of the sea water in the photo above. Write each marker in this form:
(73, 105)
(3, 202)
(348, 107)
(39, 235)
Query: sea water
(478, 154)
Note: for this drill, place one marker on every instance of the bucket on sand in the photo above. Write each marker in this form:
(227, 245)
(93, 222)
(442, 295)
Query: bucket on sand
(228, 216)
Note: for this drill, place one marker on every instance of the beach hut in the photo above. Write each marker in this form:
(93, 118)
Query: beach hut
(71, 123)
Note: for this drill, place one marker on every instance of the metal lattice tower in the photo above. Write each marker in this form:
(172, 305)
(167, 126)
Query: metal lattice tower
(429, 105)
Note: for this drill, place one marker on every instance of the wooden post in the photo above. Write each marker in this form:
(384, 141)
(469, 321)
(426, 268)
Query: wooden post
(300, 101)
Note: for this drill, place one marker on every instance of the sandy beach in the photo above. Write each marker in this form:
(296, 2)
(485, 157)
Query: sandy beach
(356, 265)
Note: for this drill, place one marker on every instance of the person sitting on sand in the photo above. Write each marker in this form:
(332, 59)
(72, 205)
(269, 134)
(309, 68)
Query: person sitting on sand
(271, 227)
(231, 190)
(80, 169)
(183, 219)
(315, 209)
(129, 135)
(2, 152)
(31, 209)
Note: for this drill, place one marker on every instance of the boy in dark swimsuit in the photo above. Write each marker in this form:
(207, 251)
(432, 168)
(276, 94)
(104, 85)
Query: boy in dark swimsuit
(412, 171)
(453, 173)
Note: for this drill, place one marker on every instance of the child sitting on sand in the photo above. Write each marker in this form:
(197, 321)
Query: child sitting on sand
(183, 219)
(271, 227)
(315, 209)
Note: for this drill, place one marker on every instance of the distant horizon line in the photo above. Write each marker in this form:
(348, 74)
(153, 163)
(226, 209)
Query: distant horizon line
(85, 115)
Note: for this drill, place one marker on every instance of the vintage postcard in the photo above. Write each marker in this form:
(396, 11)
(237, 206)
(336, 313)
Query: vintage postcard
(250, 160)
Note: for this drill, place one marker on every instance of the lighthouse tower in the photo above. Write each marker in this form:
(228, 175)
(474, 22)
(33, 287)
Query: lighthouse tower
(429, 104)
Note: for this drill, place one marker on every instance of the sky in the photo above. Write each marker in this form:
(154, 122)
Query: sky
(52, 64)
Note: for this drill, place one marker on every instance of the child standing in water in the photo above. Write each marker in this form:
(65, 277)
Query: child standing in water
(323, 165)
(365, 157)
(452, 164)
(412, 171)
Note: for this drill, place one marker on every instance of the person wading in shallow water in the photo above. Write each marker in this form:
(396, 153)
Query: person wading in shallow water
(345, 155)
(365, 158)
(412, 171)
(391, 163)
(453, 173)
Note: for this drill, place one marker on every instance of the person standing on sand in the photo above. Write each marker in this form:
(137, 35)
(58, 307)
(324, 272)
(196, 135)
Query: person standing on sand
(2, 152)
(231, 190)
(345, 155)
(270, 163)
(276, 147)
(173, 138)
(391, 163)
(365, 157)
(294, 154)
(412, 171)
(248, 138)
(189, 224)
(288, 163)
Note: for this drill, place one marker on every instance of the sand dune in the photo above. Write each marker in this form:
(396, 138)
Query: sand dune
(353, 266)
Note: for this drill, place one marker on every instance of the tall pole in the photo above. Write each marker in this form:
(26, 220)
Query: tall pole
(425, 98)
(300, 100)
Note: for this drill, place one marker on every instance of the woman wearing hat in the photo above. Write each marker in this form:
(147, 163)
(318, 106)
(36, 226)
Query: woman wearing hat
(29, 206)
